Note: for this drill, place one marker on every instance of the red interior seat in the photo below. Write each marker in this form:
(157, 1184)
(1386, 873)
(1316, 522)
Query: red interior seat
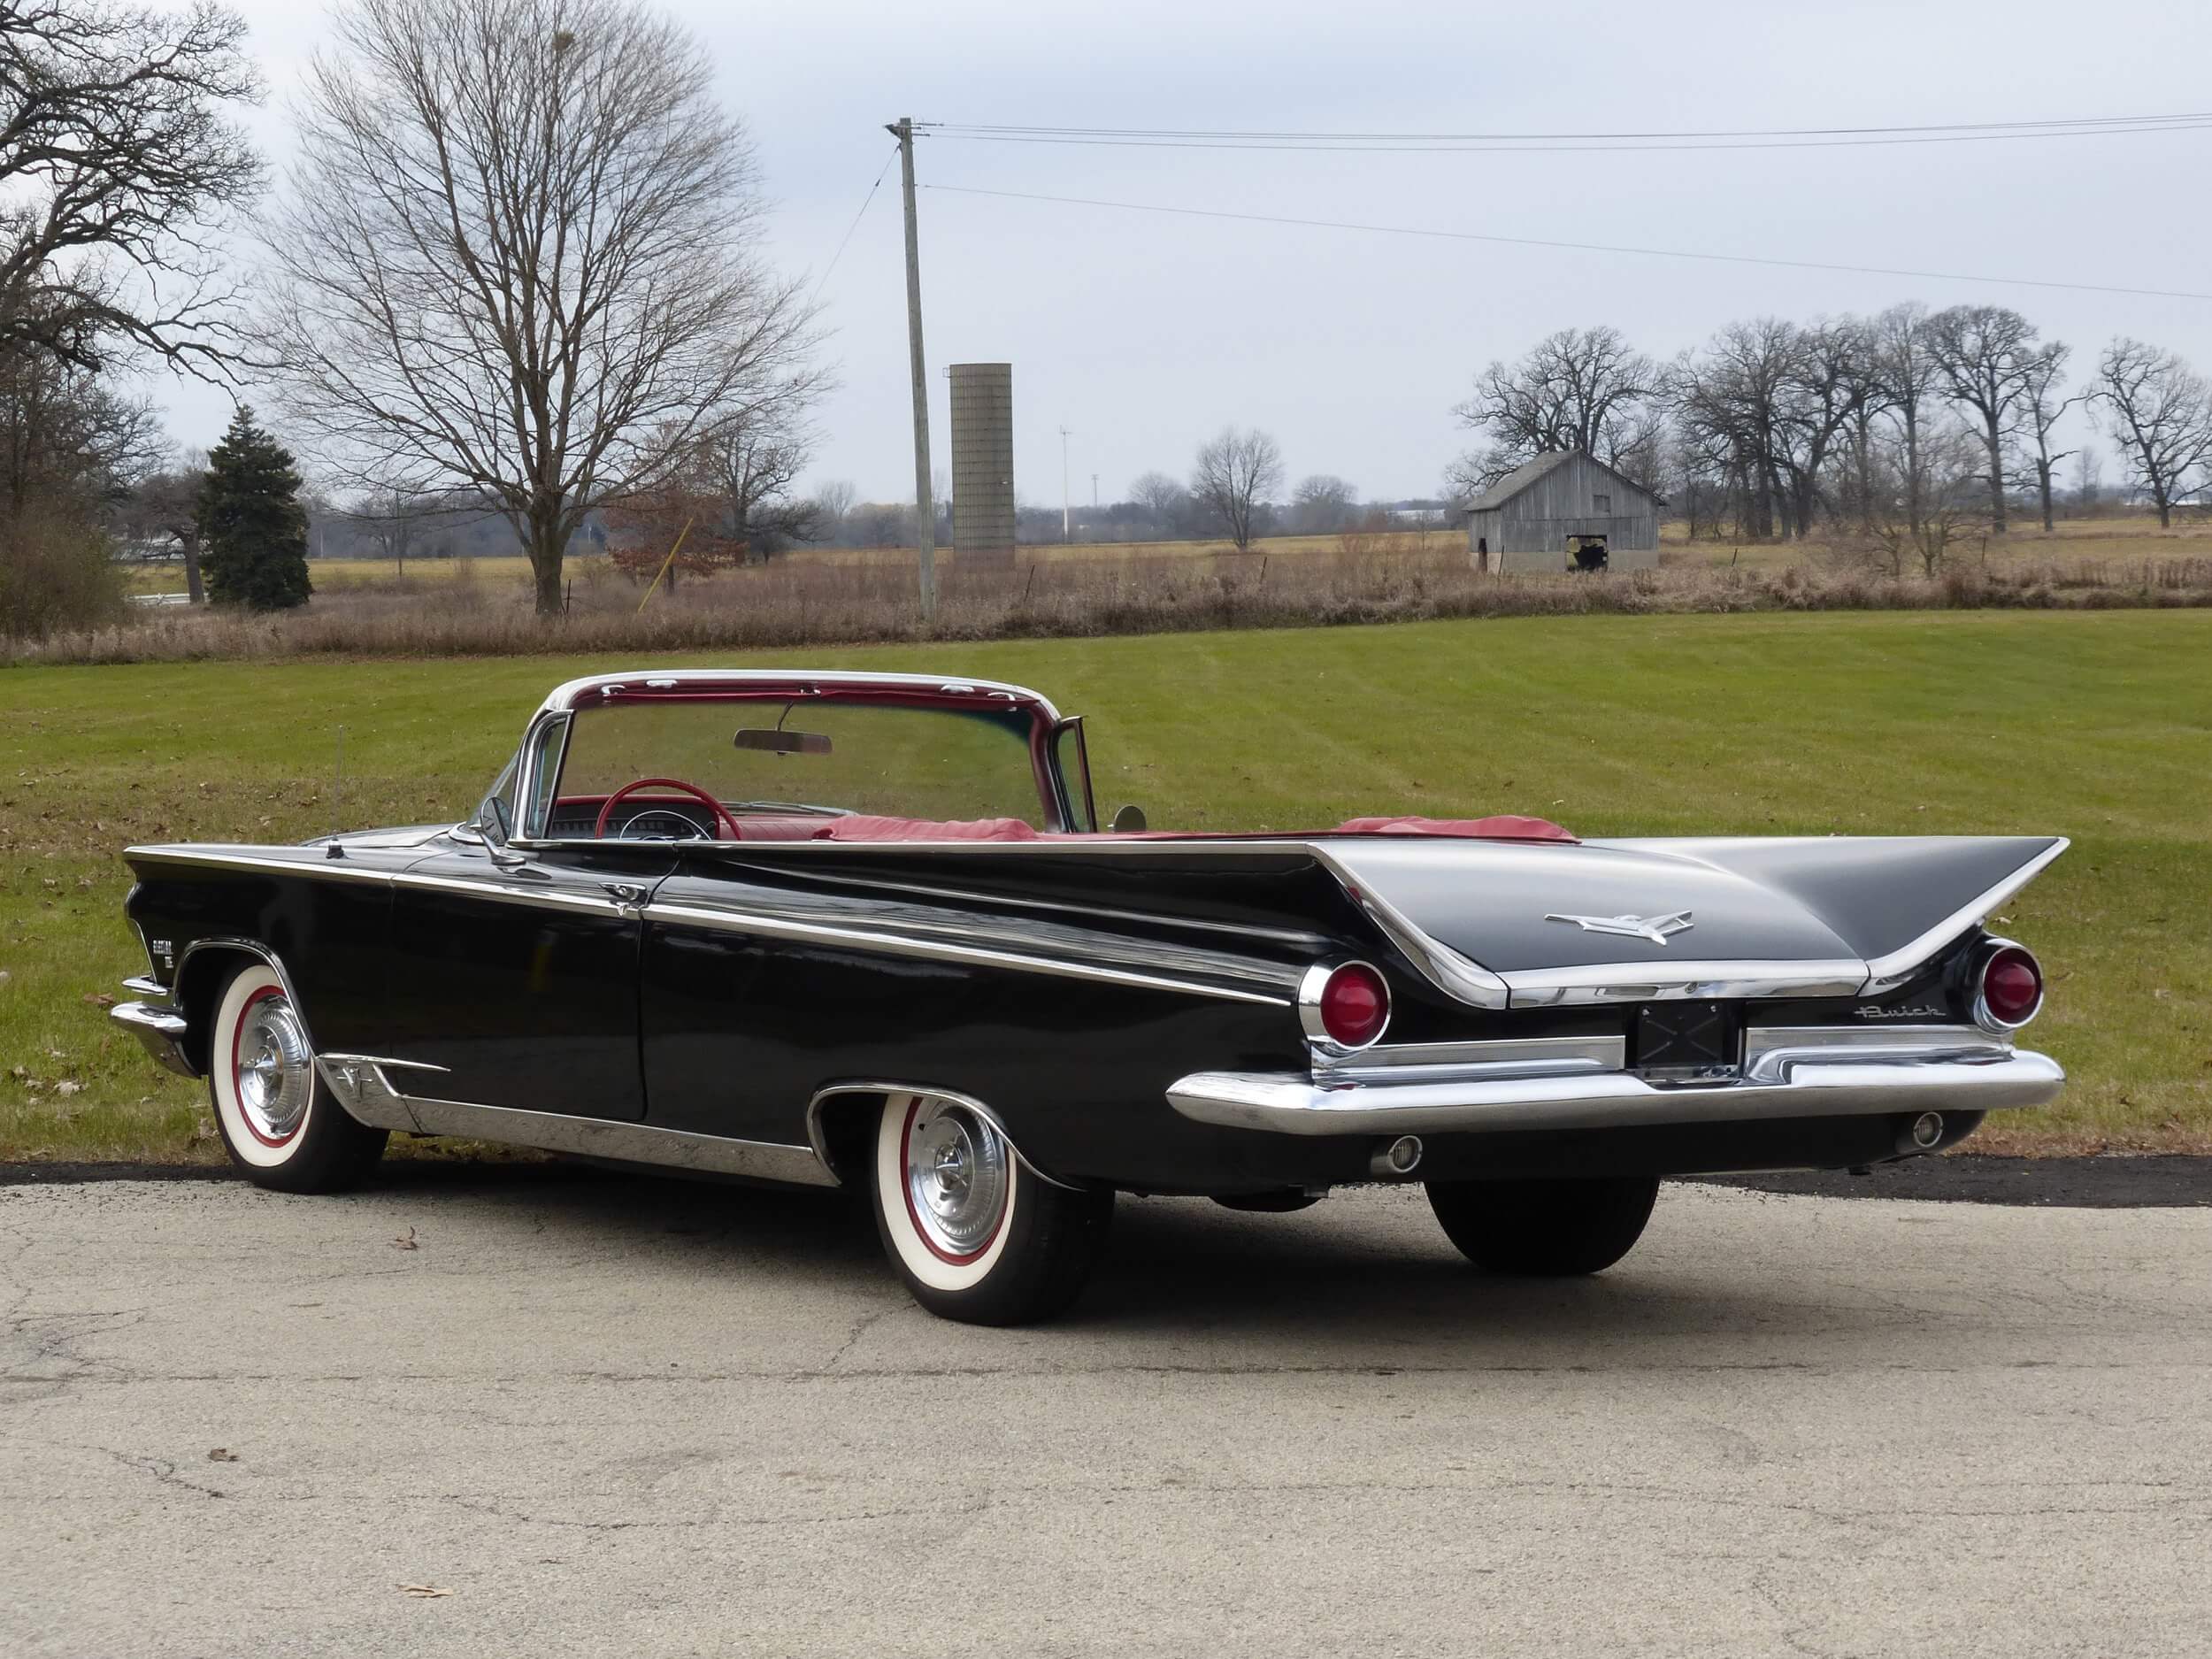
(862, 826)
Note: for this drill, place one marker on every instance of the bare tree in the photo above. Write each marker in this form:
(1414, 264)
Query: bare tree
(2159, 411)
(118, 156)
(1984, 354)
(754, 466)
(1907, 379)
(67, 436)
(2088, 478)
(1766, 412)
(1924, 498)
(1235, 474)
(521, 251)
(1162, 496)
(833, 499)
(2041, 408)
(394, 520)
(1582, 389)
(1323, 504)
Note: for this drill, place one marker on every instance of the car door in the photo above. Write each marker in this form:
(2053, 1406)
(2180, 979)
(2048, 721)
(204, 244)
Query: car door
(516, 973)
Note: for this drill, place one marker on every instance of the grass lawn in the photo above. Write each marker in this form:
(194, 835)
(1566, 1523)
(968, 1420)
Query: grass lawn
(2097, 726)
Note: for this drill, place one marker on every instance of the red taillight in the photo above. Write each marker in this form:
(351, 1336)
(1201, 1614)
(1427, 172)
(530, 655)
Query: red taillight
(1350, 1006)
(2011, 988)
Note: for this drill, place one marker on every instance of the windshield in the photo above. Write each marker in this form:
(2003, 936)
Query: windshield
(770, 757)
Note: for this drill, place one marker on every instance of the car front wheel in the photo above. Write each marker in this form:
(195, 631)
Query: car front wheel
(977, 1235)
(279, 1122)
(1545, 1229)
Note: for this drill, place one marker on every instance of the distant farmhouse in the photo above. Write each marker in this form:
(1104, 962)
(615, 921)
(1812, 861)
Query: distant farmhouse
(1563, 513)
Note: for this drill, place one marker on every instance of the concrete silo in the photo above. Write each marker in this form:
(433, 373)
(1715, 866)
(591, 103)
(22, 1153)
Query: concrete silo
(983, 465)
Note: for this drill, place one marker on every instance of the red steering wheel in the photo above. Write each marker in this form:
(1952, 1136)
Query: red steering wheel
(721, 813)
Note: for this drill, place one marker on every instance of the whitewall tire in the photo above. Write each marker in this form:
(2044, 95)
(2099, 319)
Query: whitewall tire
(279, 1122)
(976, 1234)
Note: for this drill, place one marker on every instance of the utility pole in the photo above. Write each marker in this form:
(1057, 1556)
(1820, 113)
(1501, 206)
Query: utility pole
(925, 506)
(1064, 533)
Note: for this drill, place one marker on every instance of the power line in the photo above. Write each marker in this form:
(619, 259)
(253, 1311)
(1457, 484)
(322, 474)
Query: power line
(855, 226)
(1569, 144)
(1573, 247)
(1718, 132)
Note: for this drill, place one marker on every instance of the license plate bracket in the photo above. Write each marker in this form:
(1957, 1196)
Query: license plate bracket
(1687, 1042)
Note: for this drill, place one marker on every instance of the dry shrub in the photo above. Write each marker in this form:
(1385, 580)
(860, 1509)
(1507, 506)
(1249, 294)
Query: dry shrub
(817, 604)
(55, 577)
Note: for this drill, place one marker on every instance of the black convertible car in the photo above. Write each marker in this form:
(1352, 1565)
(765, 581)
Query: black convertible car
(864, 929)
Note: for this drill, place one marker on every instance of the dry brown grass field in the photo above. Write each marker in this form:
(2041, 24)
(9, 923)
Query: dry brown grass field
(2129, 539)
(841, 596)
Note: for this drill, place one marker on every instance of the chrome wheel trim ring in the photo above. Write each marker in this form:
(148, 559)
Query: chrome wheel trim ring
(273, 1072)
(958, 1173)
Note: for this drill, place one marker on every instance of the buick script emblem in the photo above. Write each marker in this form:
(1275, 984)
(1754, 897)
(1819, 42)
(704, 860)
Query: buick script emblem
(1658, 929)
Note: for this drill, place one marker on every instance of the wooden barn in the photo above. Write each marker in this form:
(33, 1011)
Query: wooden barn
(1563, 511)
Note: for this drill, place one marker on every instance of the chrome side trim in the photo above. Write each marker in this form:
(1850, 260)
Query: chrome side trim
(821, 1146)
(506, 893)
(251, 857)
(1822, 1086)
(1510, 1057)
(1311, 943)
(736, 921)
(1892, 969)
(588, 1137)
(160, 1032)
(145, 985)
(382, 1060)
(1655, 982)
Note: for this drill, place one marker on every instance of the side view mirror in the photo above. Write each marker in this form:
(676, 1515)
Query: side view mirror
(1129, 820)
(492, 819)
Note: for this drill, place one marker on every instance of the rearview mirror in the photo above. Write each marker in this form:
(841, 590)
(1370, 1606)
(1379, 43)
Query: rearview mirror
(782, 742)
(1129, 820)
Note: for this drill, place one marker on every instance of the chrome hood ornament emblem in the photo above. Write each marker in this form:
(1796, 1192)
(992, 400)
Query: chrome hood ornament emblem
(1657, 929)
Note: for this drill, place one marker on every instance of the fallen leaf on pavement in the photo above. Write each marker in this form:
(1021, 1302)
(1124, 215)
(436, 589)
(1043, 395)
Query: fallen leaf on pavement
(222, 1455)
(406, 1241)
(425, 1591)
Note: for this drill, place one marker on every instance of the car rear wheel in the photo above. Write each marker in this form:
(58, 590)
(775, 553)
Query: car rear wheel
(279, 1122)
(1545, 1229)
(977, 1235)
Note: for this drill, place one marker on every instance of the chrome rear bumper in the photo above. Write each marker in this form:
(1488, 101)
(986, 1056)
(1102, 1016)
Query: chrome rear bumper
(1797, 1082)
(160, 1028)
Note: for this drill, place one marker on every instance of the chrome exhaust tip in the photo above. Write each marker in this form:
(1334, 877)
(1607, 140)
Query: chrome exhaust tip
(1924, 1133)
(1395, 1160)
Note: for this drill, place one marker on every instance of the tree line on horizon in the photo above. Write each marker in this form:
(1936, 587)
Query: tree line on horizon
(1901, 427)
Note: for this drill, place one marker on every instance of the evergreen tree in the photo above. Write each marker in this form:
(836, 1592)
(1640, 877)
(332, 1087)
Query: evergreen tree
(251, 525)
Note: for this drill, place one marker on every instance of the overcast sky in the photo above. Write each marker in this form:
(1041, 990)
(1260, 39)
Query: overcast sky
(1146, 333)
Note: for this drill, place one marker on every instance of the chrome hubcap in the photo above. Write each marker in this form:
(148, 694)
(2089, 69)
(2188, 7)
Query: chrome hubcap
(955, 1177)
(275, 1071)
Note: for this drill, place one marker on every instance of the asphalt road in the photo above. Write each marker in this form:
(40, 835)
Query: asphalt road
(617, 1416)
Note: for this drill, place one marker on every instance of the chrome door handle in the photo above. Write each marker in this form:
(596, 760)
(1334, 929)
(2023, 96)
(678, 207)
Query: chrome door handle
(625, 892)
